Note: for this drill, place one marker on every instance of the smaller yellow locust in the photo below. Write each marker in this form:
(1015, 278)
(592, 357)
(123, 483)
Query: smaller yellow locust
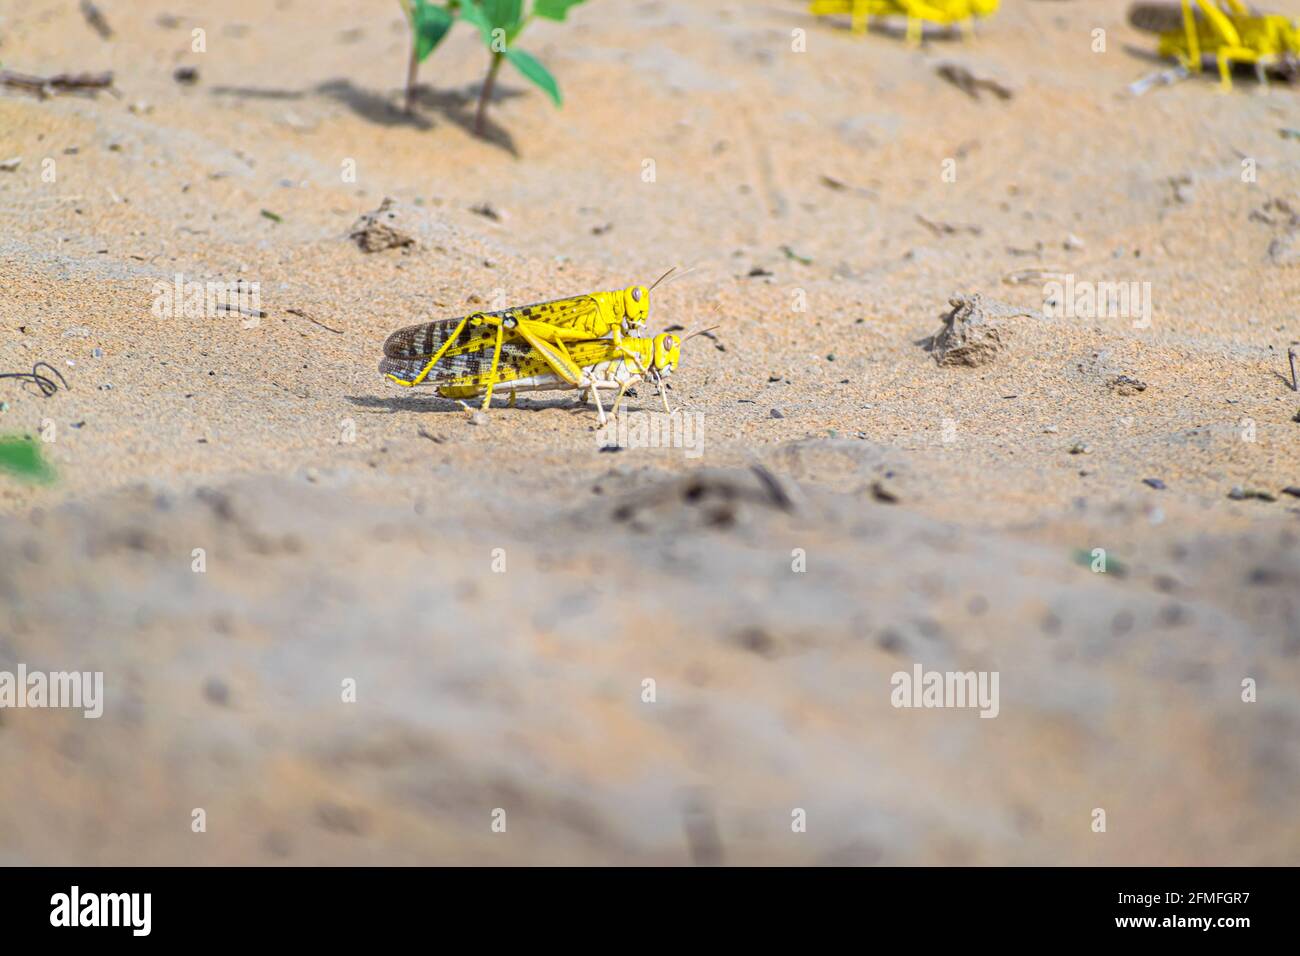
(917, 12)
(1226, 30)
(522, 365)
(590, 316)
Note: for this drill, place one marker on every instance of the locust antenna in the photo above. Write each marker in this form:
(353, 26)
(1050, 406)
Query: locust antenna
(663, 277)
(700, 332)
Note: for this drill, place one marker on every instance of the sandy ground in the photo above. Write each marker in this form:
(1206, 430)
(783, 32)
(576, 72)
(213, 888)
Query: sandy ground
(946, 516)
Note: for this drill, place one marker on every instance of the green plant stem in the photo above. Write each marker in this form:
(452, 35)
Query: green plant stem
(414, 65)
(486, 93)
(411, 70)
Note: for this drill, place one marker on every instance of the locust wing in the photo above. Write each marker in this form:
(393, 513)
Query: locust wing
(1157, 17)
(518, 358)
(422, 341)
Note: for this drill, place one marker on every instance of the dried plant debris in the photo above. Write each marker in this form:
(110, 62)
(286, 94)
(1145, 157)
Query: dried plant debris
(1126, 385)
(59, 83)
(95, 20)
(381, 229)
(969, 83)
(948, 228)
(973, 333)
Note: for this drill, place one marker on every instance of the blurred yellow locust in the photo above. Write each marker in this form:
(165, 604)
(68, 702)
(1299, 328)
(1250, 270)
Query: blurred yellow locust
(1227, 30)
(917, 12)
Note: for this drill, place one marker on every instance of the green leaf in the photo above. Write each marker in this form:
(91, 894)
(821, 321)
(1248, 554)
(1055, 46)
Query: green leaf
(431, 24)
(526, 64)
(22, 457)
(489, 15)
(554, 9)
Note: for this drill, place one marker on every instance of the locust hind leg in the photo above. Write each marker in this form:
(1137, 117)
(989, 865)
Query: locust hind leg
(861, 19)
(492, 373)
(600, 411)
(915, 28)
(618, 399)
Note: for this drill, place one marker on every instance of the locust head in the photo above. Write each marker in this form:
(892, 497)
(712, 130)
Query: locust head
(636, 305)
(668, 352)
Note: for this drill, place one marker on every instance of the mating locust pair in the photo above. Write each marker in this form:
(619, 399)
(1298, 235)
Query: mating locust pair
(582, 342)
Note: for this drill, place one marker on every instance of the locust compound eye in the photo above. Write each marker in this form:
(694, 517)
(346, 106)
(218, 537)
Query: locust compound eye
(670, 342)
(636, 294)
(510, 322)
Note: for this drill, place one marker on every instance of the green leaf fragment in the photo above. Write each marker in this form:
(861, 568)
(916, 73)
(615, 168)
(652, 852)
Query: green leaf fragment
(554, 9)
(22, 457)
(431, 25)
(528, 65)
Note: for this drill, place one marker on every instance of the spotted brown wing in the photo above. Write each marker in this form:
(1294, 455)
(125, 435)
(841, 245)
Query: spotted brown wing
(1157, 17)
(518, 359)
(416, 341)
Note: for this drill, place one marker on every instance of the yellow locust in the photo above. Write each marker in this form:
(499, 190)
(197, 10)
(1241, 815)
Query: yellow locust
(520, 363)
(590, 316)
(917, 12)
(1226, 30)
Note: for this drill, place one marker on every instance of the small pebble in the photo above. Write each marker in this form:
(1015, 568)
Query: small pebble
(97, 352)
(776, 413)
(1079, 448)
(216, 691)
(1155, 483)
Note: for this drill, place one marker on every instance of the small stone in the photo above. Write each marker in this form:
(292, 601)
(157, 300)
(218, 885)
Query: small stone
(478, 417)
(216, 691)
(97, 352)
(883, 494)
(1292, 490)
(188, 75)
(1051, 430)
(1072, 242)
(776, 413)
(1079, 448)
(1237, 493)
(1155, 483)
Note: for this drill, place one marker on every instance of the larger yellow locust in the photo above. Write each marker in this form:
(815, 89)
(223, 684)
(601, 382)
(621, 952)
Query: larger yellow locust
(1227, 30)
(521, 365)
(917, 12)
(544, 325)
